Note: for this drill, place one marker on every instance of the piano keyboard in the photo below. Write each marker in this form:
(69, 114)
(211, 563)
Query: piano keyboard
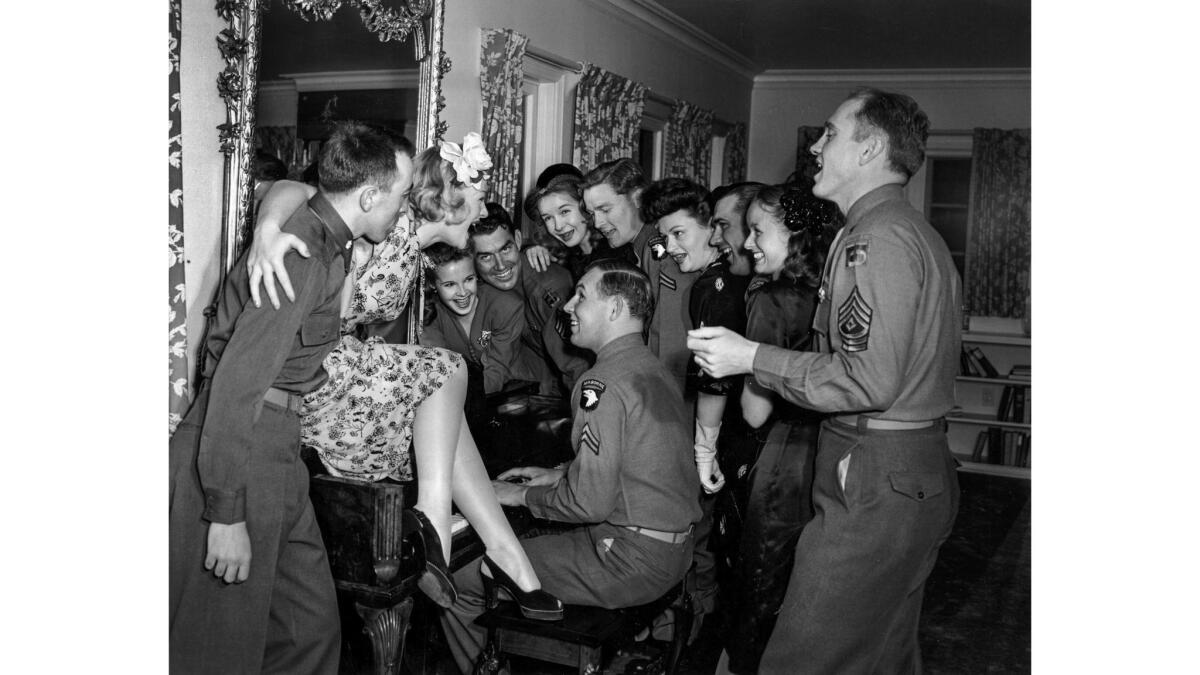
(458, 523)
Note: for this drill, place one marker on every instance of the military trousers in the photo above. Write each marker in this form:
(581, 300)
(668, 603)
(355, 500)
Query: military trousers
(599, 565)
(284, 617)
(853, 601)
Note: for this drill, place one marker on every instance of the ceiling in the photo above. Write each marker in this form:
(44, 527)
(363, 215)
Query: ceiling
(867, 34)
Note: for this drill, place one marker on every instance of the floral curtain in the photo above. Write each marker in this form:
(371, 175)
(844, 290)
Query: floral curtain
(502, 61)
(734, 170)
(177, 375)
(689, 142)
(806, 163)
(998, 247)
(608, 115)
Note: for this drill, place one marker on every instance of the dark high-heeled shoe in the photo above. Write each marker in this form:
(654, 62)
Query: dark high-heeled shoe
(435, 580)
(538, 605)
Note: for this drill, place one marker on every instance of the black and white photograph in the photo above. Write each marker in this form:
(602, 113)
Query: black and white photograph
(612, 336)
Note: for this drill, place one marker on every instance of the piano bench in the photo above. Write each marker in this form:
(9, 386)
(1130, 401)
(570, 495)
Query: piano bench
(586, 637)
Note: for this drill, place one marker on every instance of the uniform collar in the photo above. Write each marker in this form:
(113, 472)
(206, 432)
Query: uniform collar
(339, 233)
(867, 202)
(618, 345)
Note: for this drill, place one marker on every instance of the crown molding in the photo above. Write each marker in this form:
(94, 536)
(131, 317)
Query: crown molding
(840, 78)
(650, 13)
(341, 80)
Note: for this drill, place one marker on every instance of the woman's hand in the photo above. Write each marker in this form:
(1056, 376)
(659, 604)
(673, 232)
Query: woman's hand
(265, 264)
(538, 257)
(270, 244)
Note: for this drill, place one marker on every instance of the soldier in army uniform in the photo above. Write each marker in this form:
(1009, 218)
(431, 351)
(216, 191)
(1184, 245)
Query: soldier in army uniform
(632, 484)
(885, 492)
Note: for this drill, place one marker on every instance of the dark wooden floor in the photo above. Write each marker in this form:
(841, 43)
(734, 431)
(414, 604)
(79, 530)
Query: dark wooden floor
(976, 616)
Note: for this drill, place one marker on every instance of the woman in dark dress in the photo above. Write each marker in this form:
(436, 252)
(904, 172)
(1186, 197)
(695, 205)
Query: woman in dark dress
(789, 235)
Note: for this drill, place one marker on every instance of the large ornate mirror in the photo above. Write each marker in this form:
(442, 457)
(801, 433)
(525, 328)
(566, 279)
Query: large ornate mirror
(294, 65)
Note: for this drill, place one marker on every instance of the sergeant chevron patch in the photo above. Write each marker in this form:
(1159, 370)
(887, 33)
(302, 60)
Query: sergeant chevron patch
(854, 322)
(588, 439)
(665, 279)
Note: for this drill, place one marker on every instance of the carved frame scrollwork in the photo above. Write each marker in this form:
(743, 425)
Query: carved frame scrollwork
(238, 83)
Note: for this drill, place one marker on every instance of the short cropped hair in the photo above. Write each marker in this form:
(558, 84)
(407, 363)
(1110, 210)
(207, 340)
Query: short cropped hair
(812, 223)
(625, 280)
(496, 219)
(623, 175)
(743, 191)
(356, 155)
(901, 120)
(666, 196)
(436, 192)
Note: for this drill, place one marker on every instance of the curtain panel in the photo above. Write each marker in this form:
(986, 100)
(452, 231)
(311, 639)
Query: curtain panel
(734, 170)
(806, 163)
(998, 247)
(608, 116)
(178, 398)
(689, 142)
(501, 72)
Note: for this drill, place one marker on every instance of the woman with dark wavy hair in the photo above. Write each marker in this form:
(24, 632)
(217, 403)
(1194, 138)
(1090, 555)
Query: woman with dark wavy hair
(789, 234)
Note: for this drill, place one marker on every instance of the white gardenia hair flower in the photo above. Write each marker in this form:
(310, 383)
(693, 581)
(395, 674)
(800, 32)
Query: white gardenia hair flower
(469, 160)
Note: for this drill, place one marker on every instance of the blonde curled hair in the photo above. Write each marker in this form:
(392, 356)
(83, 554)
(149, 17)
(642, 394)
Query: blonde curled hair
(436, 193)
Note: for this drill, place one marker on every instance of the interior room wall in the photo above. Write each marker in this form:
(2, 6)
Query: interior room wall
(598, 31)
(954, 100)
(201, 110)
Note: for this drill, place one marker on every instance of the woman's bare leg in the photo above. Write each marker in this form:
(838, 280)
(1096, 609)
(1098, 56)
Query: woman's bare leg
(434, 446)
(449, 466)
(476, 498)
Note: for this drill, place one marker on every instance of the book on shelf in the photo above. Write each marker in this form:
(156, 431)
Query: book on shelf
(986, 366)
(1006, 397)
(995, 445)
(981, 440)
(1020, 372)
(968, 365)
(1018, 406)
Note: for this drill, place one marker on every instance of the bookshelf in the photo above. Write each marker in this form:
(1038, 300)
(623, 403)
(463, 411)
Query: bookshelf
(980, 398)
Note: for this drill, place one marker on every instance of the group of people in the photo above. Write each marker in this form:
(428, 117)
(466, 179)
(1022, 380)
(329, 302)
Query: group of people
(756, 375)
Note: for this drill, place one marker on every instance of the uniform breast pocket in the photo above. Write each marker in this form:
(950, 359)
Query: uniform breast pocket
(320, 329)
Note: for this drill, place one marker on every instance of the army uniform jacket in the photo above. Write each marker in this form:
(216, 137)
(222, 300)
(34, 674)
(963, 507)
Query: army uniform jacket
(632, 436)
(251, 349)
(887, 321)
(546, 327)
(495, 340)
(718, 298)
(667, 336)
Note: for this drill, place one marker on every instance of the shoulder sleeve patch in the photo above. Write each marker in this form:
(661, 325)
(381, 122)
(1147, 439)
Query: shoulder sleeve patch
(856, 254)
(658, 247)
(551, 298)
(589, 394)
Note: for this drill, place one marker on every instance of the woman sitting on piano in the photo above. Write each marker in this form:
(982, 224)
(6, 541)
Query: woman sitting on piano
(381, 397)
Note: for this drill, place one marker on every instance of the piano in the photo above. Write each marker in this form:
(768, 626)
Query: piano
(371, 556)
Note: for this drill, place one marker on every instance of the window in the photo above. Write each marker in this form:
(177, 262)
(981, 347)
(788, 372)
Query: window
(948, 203)
(942, 190)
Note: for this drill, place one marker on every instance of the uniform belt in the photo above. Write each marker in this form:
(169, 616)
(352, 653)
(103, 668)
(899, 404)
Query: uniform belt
(668, 537)
(284, 399)
(886, 425)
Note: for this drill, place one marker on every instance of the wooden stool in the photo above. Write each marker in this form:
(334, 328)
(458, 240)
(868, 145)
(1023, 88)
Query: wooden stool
(586, 637)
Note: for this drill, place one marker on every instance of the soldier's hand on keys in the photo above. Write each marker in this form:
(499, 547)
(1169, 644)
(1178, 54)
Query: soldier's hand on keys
(533, 476)
(721, 352)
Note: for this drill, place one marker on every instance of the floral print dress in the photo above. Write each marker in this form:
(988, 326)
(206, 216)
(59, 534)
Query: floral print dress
(360, 421)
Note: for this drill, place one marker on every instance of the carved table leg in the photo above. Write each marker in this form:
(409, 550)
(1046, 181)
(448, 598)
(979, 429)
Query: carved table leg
(387, 628)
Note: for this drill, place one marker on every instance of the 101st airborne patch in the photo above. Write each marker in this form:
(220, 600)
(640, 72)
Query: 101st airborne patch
(658, 247)
(589, 394)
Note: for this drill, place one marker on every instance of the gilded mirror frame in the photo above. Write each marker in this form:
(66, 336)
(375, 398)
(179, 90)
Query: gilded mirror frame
(422, 20)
